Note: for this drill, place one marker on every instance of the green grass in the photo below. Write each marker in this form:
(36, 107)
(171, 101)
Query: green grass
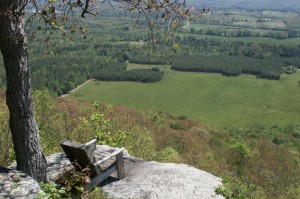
(212, 99)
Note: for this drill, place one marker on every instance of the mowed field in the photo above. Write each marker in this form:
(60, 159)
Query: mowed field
(212, 99)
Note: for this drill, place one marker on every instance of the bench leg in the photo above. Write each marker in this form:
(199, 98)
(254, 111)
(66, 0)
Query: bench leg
(120, 166)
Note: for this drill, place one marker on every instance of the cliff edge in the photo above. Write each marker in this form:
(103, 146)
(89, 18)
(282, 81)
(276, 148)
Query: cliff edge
(144, 179)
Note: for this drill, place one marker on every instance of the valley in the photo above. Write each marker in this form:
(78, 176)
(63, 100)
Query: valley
(219, 92)
(211, 99)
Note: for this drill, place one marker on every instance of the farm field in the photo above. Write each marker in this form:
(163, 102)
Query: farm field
(212, 99)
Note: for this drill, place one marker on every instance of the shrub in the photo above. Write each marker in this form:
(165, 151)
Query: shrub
(136, 139)
(236, 188)
(290, 69)
(74, 179)
(175, 126)
(169, 155)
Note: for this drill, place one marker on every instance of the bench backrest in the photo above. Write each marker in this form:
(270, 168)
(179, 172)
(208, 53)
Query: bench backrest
(79, 153)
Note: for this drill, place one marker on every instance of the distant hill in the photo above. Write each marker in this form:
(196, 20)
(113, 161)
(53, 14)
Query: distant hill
(257, 4)
(263, 4)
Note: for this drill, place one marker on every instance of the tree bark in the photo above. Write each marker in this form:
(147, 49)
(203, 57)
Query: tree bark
(25, 132)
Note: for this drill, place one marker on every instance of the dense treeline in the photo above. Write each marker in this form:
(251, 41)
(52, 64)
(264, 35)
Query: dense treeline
(192, 45)
(291, 61)
(121, 51)
(148, 60)
(118, 72)
(61, 74)
(229, 66)
(240, 32)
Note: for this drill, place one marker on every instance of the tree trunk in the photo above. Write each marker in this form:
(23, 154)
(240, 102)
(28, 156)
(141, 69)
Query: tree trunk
(25, 133)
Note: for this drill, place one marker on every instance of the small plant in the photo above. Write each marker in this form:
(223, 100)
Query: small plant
(74, 179)
(278, 141)
(169, 154)
(51, 191)
(95, 194)
(14, 186)
(175, 126)
(156, 118)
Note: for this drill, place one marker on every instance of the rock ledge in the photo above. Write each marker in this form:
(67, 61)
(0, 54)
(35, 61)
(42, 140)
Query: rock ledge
(143, 179)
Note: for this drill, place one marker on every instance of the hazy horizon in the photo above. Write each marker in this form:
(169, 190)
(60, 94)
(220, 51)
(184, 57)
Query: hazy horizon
(263, 4)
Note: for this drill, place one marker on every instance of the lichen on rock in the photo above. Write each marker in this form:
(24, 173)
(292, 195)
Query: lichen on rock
(15, 184)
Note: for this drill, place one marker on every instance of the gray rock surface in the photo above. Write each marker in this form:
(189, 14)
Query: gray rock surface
(155, 180)
(56, 163)
(149, 180)
(15, 184)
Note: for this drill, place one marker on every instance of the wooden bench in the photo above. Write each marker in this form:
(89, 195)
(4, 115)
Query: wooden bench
(102, 162)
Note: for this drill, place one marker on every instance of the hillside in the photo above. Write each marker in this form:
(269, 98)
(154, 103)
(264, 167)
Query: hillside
(258, 4)
(256, 161)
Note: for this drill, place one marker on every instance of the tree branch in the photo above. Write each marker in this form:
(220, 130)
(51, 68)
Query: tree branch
(85, 10)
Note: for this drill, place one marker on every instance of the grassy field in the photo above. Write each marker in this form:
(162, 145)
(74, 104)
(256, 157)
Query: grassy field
(212, 99)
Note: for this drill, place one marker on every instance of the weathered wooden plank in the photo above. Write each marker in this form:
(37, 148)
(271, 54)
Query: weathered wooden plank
(76, 153)
(107, 163)
(92, 142)
(111, 155)
(100, 178)
(90, 148)
(120, 166)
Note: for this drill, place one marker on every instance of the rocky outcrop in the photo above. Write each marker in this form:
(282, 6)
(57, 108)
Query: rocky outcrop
(15, 184)
(56, 163)
(163, 180)
(143, 179)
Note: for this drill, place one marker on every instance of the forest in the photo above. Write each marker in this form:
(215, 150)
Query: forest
(118, 72)
(229, 66)
(217, 40)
